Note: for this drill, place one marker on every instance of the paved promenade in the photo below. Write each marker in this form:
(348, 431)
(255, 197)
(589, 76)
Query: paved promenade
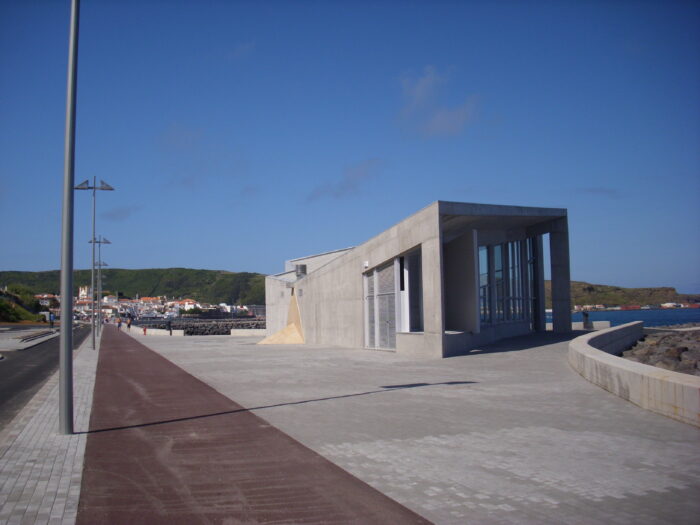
(507, 435)
(164, 447)
(41, 470)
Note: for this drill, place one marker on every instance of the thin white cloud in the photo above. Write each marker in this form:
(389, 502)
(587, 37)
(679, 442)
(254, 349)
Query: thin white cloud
(422, 111)
(350, 183)
(449, 121)
(420, 92)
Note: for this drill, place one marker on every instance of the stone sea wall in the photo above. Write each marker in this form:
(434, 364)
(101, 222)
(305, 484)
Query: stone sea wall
(206, 326)
(666, 392)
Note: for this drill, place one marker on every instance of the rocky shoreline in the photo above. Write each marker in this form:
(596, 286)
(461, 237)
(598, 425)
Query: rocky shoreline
(678, 351)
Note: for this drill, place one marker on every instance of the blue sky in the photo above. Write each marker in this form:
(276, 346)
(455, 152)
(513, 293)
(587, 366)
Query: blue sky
(241, 134)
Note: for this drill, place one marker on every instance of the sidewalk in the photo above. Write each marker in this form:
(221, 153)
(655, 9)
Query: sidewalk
(40, 469)
(506, 435)
(165, 447)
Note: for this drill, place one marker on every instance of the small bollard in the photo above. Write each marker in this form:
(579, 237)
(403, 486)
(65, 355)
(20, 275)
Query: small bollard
(587, 324)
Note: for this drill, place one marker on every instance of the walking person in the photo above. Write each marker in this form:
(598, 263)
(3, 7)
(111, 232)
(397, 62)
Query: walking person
(52, 318)
(128, 324)
(119, 323)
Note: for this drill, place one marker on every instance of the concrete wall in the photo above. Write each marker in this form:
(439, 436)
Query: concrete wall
(331, 299)
(561, 280)
(277, 297)
(456, 343)
(668, 393)
(578, 325)
(160, 332)
(248, 332)
(462, 283)
(314, 262)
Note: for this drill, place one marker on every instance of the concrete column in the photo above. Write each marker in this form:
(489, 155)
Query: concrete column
(561, 279)
(525, 294)
(433, 297)
(539, 317)
(472, 278)
(460, 260)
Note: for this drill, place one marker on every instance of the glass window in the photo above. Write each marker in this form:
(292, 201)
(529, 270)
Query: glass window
(511, 280)
(484, 289)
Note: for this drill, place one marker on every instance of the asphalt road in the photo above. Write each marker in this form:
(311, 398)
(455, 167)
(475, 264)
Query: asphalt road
(22, 373)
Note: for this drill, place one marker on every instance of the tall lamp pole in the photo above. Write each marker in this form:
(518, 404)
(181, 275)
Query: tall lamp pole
(85, 185)
(100, 264)
(65, 390)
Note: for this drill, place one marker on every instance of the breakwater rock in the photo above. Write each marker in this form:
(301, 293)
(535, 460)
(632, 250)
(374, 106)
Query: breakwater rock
(676, 351)
(206, 326)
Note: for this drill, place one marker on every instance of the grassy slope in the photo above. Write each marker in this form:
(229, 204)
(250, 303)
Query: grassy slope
(215, 286)
(586, 293)
(211, 286)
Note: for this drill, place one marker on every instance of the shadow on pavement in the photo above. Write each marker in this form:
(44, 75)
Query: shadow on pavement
(387, 388)
(524, 342)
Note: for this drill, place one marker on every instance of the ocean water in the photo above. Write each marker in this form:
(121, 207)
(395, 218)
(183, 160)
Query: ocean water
(659, 317)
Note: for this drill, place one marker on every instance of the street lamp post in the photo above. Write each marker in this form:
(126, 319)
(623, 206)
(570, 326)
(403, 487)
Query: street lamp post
(65, 387)
(85, 185)
(100, 264)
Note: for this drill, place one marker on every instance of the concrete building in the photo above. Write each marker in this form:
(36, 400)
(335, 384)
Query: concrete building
(449, 278)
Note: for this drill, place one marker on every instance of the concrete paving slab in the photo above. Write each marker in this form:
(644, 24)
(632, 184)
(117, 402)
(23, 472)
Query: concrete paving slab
(164, 447)
(40, 469)
(508, 434)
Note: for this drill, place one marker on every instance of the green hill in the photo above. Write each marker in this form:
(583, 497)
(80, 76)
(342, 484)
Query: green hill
(217, 286)
(211, 286)
(587, 293)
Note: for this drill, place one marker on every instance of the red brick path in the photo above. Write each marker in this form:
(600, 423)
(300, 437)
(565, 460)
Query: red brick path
(165, 447)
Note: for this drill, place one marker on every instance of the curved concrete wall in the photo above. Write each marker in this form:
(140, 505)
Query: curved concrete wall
(668, 393)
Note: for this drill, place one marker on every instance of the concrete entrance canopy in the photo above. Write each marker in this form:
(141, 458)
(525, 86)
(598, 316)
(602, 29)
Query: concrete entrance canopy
(446, 279)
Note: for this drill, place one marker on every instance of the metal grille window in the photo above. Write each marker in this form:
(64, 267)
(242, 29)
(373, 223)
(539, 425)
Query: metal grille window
(369, 304)
(380, 301)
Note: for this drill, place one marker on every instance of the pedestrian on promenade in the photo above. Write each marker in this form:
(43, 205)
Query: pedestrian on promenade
(52, 318)
(119, 323)
(128, 324)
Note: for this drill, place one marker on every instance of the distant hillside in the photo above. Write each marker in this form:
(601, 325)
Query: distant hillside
(216, 286)
(211, 286)
(586, 293)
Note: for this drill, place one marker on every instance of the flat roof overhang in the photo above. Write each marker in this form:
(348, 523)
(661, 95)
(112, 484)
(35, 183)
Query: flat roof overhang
(458, 217)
